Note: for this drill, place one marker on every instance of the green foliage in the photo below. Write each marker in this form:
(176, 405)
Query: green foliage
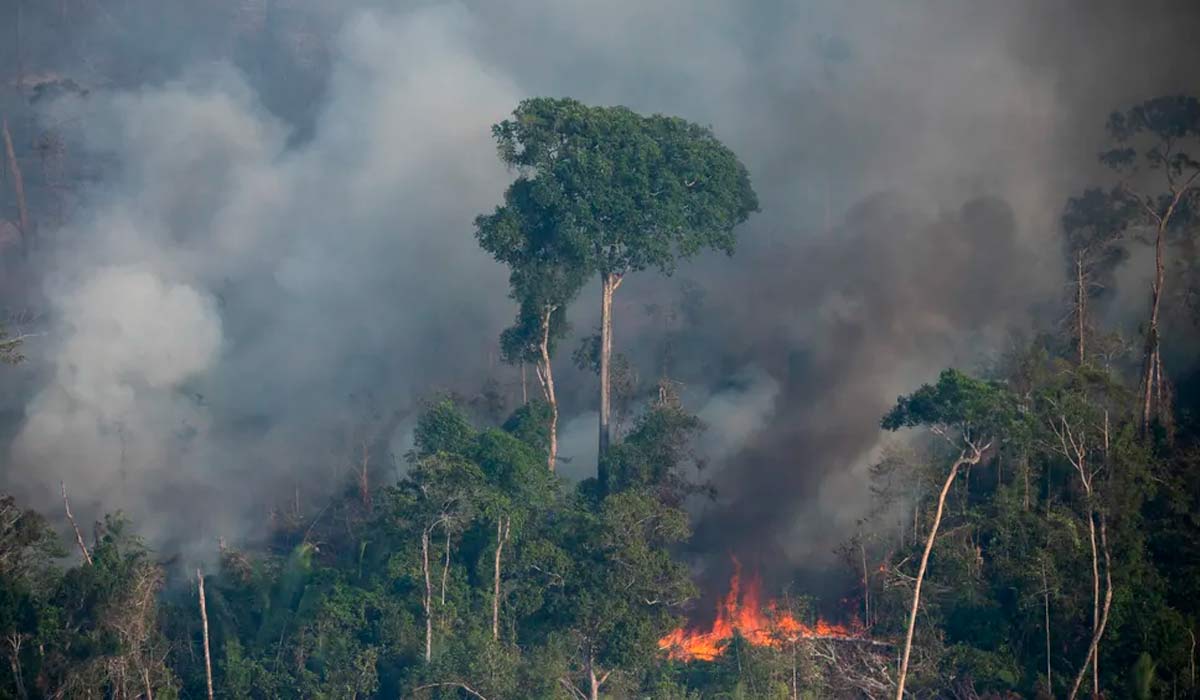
(584, 580)
(1163, 119)
(443, 428)
(611, 191)
(654, 452)
(590, 581)
(959, 402)
(529, 424)
(520, 341)
(1143, 677)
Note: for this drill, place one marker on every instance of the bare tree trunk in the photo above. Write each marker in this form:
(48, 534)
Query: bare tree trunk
(1025, 474)
(608, 283)
(866, 584)
(15, 641)
(1046, 609)
(364, 483)
(594, 680)
(208, 678)
(446, 567)
(916, 601)
(14, 169)
(1095, 597)
(917, 507)
(427, 601)
(71, 518)
(502, 524)
(1080, 305)
(546, 373)
(1094, 648)
(1151, 376)
(1192, 660)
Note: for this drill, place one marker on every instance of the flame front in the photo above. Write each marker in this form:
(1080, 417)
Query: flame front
(742, 611)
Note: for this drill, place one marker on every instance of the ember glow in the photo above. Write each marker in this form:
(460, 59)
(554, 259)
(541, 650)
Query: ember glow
(743, 612)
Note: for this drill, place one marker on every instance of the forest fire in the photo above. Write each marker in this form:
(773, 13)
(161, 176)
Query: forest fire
(742, 611)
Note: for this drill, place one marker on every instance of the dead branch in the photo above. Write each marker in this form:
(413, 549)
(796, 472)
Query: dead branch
(861, 670)
(570, 687)
(452, 684)
(204, 626)
(71, 518)
(843, 639)
(14, 169)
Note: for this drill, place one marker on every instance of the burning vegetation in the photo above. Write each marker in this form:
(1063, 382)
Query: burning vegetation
(742, 612)
(240, 270)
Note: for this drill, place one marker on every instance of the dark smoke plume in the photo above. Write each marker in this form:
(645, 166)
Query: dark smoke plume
(274, 247)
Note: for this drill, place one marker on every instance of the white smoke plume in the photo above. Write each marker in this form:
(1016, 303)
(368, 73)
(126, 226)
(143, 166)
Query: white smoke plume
(273, 243)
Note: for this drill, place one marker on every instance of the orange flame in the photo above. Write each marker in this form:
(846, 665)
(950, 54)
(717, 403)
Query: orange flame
(742, 612)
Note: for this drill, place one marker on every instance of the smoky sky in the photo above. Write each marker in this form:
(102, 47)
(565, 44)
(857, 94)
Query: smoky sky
(271, 256)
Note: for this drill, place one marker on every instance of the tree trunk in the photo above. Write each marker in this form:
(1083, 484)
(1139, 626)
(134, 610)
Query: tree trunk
(15, 642)
(1093, 654)
(546, 373)
(204, 627)
(446, 567)
(862, 549)
(14, 169)
(71, 518)
(1080, 305)
(1025, 475)
(502, 524)
(608, 284)
(1046, 609)
(1152, 374)
(427, 601)
(1095, 597)
(364, 481)
(594, 681)
(916, 601)
(1192, 659)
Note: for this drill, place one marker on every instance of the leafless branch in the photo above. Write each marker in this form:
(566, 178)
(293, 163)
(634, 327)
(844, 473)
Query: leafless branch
(71, 518)
(575, 692)
(451, 684)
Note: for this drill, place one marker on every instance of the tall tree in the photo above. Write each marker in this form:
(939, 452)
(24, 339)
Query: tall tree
(541, 281)
(969, 414)
(1093, 224)
(1076, 414)
(517, 492)
(624, 192)
(620, 587)
(1155, 151)
(443, 490)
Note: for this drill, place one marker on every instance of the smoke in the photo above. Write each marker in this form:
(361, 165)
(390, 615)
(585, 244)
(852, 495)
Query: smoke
(736, 414)
(277, 250)
(114, 401)
(225, 297)
(912, 294)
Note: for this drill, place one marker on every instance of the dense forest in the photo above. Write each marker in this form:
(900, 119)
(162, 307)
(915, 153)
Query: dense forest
(344, 358)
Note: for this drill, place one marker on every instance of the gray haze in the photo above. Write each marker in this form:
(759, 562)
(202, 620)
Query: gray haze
(272, 258)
